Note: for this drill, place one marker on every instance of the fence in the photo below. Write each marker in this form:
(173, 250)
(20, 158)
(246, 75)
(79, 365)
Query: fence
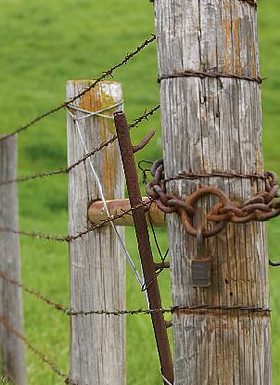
(88, 114)
(96, 122)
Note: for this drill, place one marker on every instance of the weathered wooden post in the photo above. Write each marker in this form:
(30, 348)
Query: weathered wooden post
(12, 361)
(97, 263)
(211, 118)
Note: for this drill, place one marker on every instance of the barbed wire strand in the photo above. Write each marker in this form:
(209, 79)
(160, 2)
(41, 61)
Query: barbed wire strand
(35, 293)
(145, 116)
(104, 75)
(174, 309)
(101, 192)
(69, 238)
(179, 308)
(32, 348)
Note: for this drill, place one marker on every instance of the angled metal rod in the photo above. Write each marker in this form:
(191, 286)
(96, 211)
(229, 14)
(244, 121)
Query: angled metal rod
(144, 246)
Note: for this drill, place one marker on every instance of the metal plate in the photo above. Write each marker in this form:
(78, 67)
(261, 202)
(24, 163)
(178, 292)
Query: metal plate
(201, 273)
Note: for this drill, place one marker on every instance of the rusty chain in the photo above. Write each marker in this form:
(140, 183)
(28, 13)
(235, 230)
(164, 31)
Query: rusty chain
(262, 207)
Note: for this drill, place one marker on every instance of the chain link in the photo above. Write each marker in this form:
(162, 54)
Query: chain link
(262, 207)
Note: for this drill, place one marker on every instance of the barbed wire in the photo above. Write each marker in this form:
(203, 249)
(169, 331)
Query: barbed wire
(174, 309)
(145, 116)
(35, 293)
(69, 238)
(104, 75)
(42, 357)
(179, 308)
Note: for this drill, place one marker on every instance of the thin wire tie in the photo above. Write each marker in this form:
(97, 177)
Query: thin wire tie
(166, 380)
(93, 113)
(128, 257)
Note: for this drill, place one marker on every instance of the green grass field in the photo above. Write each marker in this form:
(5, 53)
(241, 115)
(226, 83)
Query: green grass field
(43, 44)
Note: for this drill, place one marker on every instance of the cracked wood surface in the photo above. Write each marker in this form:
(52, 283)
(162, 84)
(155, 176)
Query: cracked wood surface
(12, 360)
(215, 124)
(97, 263)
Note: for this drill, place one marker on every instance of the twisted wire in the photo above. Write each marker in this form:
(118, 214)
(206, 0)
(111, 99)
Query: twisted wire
(35, 293)
(145, 116)
(42, 357)
(104, 75)
(69, 238)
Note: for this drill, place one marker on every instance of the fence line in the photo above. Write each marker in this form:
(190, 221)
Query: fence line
(35, 293)
(65, 170)
(69, 238)
(70, 312)
(31, 347)
(104, 75)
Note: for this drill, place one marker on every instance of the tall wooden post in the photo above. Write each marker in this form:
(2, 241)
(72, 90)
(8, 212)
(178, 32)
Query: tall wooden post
(97, 263)
(12, 362)
(213, 122)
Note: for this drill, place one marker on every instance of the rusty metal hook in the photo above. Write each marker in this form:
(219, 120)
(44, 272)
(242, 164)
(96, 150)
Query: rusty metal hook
(144, 142)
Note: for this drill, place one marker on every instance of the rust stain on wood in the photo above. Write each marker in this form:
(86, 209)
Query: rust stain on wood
(236, 42)
(227, 27)
(95, 100)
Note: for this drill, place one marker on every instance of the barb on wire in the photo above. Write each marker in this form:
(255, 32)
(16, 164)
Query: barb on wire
(35, 235)
(104, 75)
(34, 293)
(31, 347)
(145, 116)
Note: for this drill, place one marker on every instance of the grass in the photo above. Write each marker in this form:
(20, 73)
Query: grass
(43, 44)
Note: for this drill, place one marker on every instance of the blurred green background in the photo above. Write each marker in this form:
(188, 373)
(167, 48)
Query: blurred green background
(45, 43)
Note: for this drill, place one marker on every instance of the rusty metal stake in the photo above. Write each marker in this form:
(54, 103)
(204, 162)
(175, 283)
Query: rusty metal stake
(144, 246)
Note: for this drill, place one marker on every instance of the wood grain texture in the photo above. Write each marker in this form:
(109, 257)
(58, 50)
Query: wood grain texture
(97, 263)
(215, 124)
(12, 361)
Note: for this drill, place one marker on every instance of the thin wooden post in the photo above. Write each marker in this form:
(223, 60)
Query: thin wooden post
(214, 123)
(97, 262)
(12, 361)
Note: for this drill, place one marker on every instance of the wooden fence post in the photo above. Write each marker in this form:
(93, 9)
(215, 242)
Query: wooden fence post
(97, 262)
(12, 361)
(214, 123)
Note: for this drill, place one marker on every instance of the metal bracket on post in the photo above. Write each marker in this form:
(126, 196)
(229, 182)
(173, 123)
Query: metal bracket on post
(144, 246)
